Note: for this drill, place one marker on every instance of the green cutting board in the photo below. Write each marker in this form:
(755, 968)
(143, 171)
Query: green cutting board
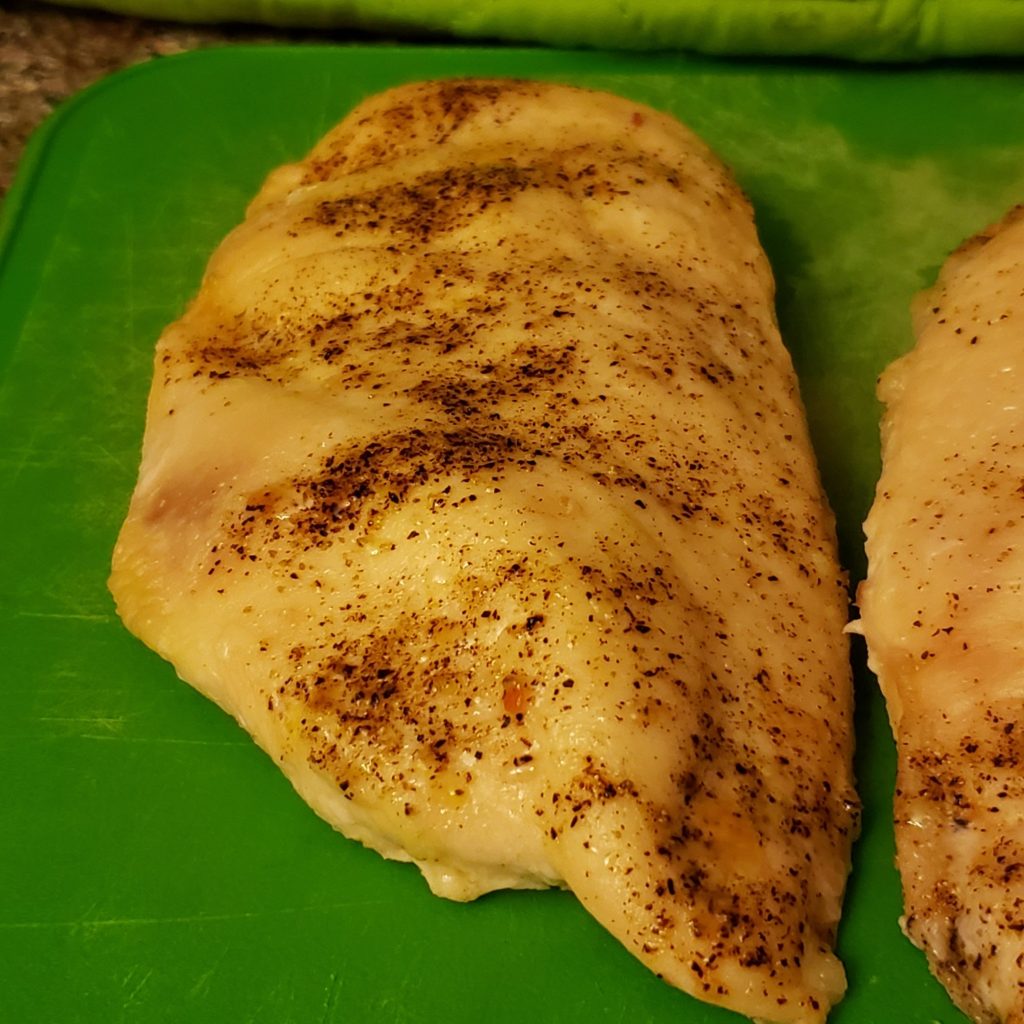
(154, 866)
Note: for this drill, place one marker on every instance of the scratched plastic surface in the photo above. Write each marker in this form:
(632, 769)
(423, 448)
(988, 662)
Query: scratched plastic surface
(153, 864)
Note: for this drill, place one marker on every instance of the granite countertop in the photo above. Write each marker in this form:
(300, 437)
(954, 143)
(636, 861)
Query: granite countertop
(48, 53)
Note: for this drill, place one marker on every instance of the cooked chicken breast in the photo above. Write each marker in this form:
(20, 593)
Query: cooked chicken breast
(477, 487)
(942, 610)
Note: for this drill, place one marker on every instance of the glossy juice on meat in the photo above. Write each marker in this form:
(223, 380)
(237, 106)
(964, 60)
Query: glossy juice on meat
(477, 487)
(941, 613)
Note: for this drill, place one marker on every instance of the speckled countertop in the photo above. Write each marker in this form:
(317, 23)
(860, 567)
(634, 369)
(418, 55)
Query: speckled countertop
(48, 53)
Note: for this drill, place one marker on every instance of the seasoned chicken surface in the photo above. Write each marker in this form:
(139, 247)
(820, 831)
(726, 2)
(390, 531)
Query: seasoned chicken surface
(943, 614)
(476, 485)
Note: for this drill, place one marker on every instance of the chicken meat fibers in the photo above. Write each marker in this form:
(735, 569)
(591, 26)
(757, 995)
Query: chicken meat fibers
(476, 485)
(941, 611)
